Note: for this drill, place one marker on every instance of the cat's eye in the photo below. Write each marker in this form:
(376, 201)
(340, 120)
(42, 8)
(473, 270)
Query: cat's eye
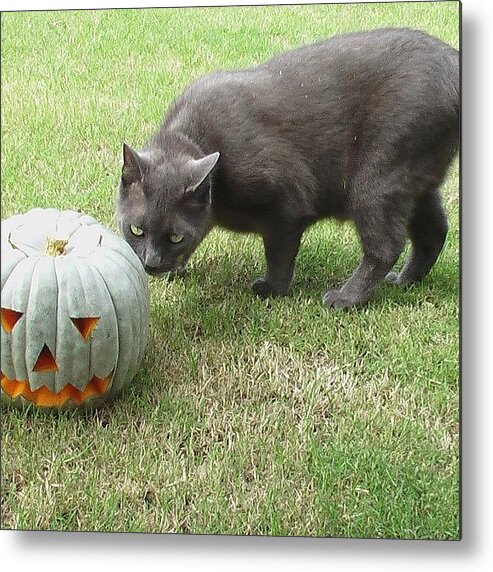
(136, 230)
(176, 238)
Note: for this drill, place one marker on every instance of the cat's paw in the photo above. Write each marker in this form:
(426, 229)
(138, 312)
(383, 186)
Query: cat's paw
(339, 299)
(262, 288)
(392, 278)
(398, 279)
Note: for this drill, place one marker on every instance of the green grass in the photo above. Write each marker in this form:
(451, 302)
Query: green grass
(248, 416)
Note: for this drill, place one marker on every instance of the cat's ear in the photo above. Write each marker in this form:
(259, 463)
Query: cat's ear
(200, 169)
(132, 166)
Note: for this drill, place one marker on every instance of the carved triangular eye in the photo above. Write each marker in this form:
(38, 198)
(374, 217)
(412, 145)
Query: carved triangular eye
(10, 319)
(85, 326)
(45, 361)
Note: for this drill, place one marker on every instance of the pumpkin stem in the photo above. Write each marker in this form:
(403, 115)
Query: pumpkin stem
(55, 246)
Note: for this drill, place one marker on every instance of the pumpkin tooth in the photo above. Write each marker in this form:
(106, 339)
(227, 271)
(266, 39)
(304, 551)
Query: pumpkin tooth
(43, 397)
(101, 385)
(73, 393)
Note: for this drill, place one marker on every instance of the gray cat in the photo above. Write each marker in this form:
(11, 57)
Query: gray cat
(359, 127)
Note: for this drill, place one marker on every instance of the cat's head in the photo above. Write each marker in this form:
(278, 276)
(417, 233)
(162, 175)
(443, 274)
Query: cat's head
(163, 206)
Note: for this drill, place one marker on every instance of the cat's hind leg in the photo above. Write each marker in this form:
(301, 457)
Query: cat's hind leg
(427, 230)
(382, 226)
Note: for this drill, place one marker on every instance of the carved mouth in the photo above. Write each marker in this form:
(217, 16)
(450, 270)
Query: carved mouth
(43, 397)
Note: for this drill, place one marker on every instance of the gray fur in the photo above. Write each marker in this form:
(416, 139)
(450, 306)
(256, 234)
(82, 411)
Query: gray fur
(360, 127)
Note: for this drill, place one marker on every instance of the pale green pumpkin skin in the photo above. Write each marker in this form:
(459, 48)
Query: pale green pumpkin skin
(98, 276)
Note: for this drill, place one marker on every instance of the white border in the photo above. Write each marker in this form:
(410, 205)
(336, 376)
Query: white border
(78, 551)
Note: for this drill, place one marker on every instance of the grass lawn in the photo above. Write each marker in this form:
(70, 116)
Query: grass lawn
(248, 417)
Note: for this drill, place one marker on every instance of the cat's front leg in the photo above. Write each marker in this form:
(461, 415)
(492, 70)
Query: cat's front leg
(281, 244)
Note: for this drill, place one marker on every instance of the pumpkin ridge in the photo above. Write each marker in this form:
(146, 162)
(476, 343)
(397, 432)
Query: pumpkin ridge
(14, 246)
(94, 284)
(110, 294)
(29, 277)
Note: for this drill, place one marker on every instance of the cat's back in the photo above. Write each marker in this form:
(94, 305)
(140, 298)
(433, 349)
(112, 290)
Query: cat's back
(305, 118)
(386, 68)
(383, 48)
(359, 65)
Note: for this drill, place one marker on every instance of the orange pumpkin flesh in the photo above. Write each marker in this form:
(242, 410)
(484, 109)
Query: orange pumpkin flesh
(43, 397)
(85, 326)
(68, 286)
(45, 361)
(9, 319)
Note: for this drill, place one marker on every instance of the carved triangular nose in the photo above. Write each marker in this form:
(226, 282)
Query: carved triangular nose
(45, 361)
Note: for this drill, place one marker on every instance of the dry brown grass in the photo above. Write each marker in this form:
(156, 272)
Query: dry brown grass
(247, 417)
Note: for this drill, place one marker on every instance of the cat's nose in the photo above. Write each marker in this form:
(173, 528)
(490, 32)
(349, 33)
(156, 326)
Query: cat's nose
(151, 269)
(153, 261)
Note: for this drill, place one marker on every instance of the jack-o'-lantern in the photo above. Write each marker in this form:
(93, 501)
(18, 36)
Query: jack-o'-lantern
(74, 310)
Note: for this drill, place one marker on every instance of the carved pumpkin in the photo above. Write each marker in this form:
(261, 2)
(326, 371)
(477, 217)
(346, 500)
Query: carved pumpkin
(74, 308)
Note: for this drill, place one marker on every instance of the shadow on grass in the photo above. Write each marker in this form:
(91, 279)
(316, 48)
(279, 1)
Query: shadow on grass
(213, 305)
(314, 274)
